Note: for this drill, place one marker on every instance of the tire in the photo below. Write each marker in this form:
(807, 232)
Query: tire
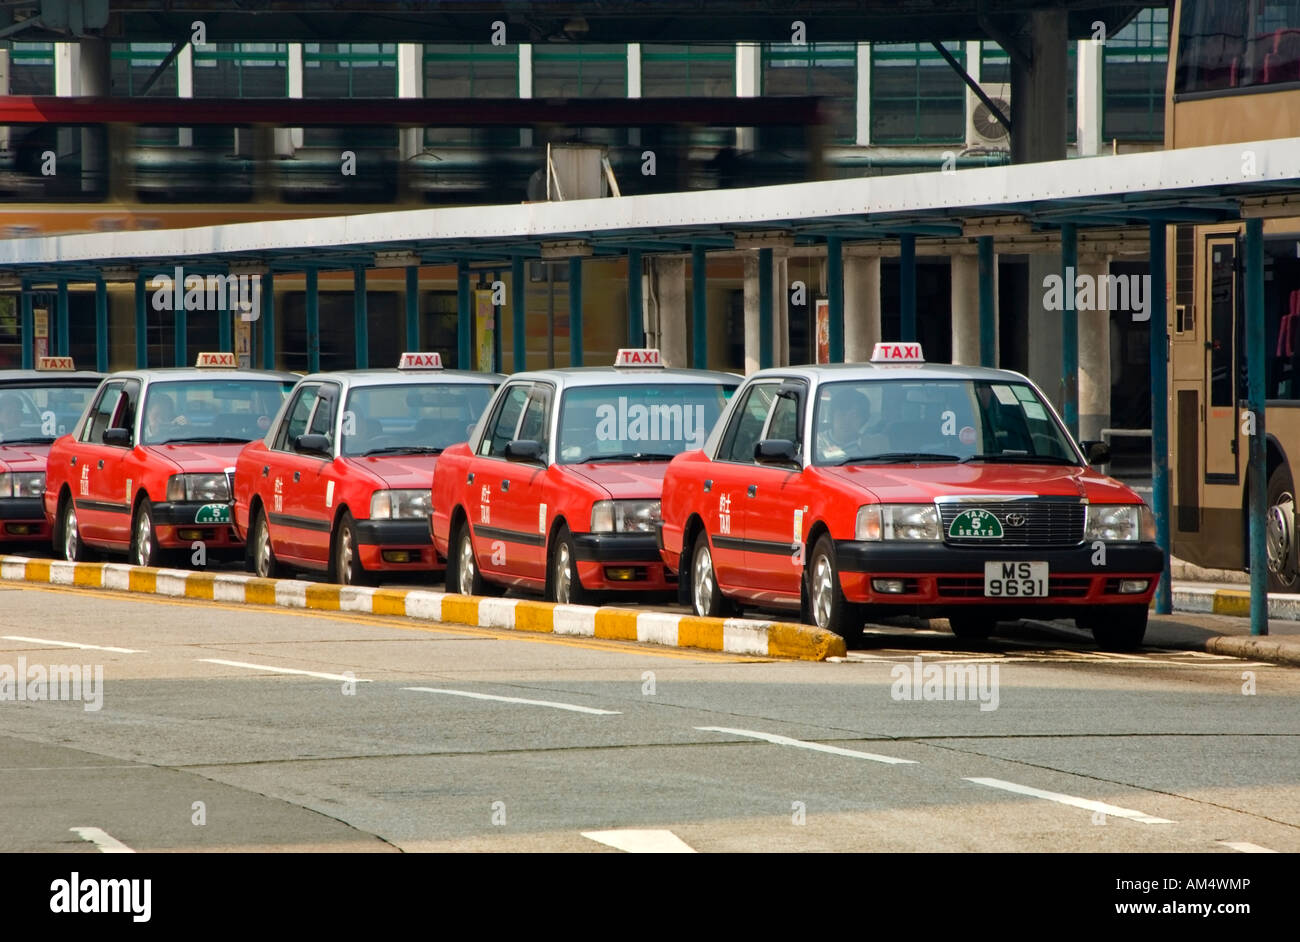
(1120, 628)
(463, 574)
(972, 626)
(70, 545)
(345, 561)
(145, 550)
(562, 582)
(260, 554)
(706, 597)
(1280, 532)
(827, 607)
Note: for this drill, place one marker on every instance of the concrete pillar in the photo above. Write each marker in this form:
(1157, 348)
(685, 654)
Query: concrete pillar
(410, 84)
(287, 140)
(185, 89)
(749, 78)
(863, 104)
(1087, 98)
(1044, 329)
(525, 88)
(97, 81)
(861, 306)
(781, 308)
(1094, 355)
(671, 323)
(1038, 89)
(965, 309)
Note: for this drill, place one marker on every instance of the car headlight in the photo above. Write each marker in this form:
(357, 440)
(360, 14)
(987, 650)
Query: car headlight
(204, 487)
(22, 483)
(400, 505)
(624, 516)
(917, 522)
(1120, 523)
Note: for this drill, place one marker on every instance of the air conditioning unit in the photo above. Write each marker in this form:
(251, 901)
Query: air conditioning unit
(982, 128)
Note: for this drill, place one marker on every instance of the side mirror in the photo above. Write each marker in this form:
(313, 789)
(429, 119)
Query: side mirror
(1097, 452)
(775, 451)
(314, 445)
(523, 450)
(118, 436)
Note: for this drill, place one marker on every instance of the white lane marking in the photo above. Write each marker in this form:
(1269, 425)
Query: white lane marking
(1087, 804)
(107, 843)
(1245, 847)
(546, 703)
(282, 670)
(802, 744)
(641, 842)
(70, 644)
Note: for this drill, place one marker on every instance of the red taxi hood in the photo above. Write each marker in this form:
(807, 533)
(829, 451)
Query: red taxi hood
(198, 458)
(29, 456)
(922, 483)
(624, 480)
(398, 471)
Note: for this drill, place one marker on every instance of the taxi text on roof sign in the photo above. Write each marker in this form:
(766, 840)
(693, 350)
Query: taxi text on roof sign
(897, 353)
(632, 356)
(420, 361)
(220, 360)
(54, 363)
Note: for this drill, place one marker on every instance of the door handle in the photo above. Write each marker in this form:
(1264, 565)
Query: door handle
(265, 468)
(753, 489)
(101, 464)
(296, 475)
(708, 485)
(505, 485)
(469, 478)
(73, 461)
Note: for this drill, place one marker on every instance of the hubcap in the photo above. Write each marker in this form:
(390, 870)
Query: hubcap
(70, 536)
(703, 580)
(345, 555)
(263, 549)
(562, 576)
(465, 574)
(1280, 536)
(143, 541)
(822, 592)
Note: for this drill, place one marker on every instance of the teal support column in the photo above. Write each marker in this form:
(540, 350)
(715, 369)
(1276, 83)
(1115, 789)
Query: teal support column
(101, 326)
(519, 310)
(764, 308)
(268, 321)
(1070, 328)
(1159, 409)
(360, 318)
(225, 341)
(699, 309)
(907, 287)
(575, 310)
(988, 322)
(28, 335)
(835, 297)
(1256, 353)
(141, 321)
(313, 321)
(412, 307)
(498, 324)
(464, 319)
(181, 346)
(63, 338)
(635, 314)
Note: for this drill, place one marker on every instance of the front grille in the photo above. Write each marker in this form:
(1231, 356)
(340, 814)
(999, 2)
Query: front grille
(1046, 523)
(969, 587)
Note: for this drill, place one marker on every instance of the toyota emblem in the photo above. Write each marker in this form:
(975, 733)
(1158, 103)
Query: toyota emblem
(1015, 520)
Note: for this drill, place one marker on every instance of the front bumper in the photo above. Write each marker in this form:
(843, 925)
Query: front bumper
(22, 519)
(396, 545)
(621, 562)
(176, 525)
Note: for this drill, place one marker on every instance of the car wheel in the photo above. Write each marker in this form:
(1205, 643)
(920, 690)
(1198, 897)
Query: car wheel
(1280, 534)
(463, 575)
(347, 554)
(265, 565)
(564, 585)
(1120, 628)
(706, 597)
(144, 540)
(826, 603)
(972, 627)
(70, 544)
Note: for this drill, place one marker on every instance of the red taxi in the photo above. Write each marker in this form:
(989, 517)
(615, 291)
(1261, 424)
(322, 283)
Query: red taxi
(341, 482)
(36, 406)
(147, 468)
(558, 488)
(899, 487)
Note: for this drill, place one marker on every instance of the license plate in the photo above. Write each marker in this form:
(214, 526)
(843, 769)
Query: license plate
(1015, 580)
(213, 513)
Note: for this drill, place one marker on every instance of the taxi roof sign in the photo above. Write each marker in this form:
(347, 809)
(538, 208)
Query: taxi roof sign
(55, 363)
(420, 361)
(638, 356)
(224, 360)
(897, 353)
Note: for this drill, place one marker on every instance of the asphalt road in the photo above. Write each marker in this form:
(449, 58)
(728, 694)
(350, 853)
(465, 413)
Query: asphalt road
(205, 740)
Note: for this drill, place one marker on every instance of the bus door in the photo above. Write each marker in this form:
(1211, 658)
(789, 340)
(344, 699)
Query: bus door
(1221, 417)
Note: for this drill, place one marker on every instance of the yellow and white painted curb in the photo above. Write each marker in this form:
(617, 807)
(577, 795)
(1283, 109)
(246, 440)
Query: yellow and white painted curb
(1218, 601)
(729, 635)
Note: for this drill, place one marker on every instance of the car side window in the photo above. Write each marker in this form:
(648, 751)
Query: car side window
(322, 420)
(746, 426)
(784, 423)
(102, 413)
(296, 418)
(534, 425)
(501, 430)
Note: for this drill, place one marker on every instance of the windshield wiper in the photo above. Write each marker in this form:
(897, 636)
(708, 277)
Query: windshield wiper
(397, 449)
(894, 457)
(627, 456)
(202, 440)
(1019, 457)
(43, 439)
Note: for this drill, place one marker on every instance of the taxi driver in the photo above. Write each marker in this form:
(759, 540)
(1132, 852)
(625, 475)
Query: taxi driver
(160, 415)
(842, 430)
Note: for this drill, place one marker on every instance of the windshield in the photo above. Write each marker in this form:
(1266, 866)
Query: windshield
(41, 413)
(411, 418)
(211, 410)
(635, 422)
(938, 420)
